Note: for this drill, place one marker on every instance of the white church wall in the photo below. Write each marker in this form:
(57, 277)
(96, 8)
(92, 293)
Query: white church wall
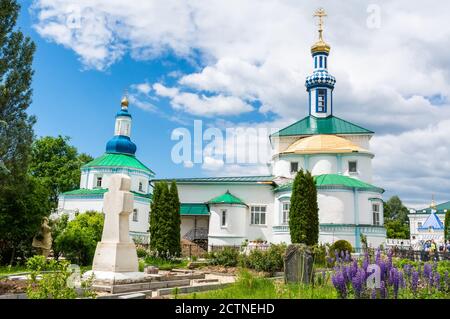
(322, 164)
(280, 144)
(364, 167)
(335, 207)
(89, 179)
(251, 194)
(235, 229)
(282, 164)
(365, 207)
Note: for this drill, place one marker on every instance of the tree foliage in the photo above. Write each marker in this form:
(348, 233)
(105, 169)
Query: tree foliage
(304, 210)
(21, 197)
(79, 239)
(57, 164)
(165, 221)
(396, 219)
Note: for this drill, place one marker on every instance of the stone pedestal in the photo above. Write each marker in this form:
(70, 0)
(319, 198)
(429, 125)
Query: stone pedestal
(298, 264)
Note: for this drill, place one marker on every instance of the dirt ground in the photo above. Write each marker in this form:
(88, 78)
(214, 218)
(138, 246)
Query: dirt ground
(12, 286)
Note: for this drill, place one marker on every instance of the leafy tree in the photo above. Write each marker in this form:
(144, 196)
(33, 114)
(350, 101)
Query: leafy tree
(304, 210)
(164, 226)
(395, 210)
(79, 239)
(447, 225)
(21, 214)
(58, 226)
(57, 164)
(16, 135)
(396, 219)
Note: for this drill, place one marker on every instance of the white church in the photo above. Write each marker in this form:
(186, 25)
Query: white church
(230, 210)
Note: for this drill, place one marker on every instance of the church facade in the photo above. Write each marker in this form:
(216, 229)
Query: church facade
(119, 158)
(229, 210)
(428, 223)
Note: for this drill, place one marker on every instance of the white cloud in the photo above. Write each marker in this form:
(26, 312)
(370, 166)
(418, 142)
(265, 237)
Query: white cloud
(258, 51)
(200, 104)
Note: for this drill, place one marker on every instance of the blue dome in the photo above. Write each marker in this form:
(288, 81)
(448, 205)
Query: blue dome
(123, 113)
(320, 78)
(121, 144)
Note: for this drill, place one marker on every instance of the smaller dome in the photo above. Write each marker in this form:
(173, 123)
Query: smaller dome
(124, 102)
(320, 46)
(320, 78)
(318, 144)
(120, 144)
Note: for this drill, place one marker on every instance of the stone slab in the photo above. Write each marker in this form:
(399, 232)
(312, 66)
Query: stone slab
(133, 296)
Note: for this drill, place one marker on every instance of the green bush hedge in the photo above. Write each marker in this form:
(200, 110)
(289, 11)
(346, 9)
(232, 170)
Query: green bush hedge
(339, 246)
(227, 257)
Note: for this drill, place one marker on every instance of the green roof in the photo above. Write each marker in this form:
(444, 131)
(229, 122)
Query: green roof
(226, 198)
(194, 209)
(220, 180)
(329, 180)
(118, 160)
(98, 191)
(311, 125)
(439, 208)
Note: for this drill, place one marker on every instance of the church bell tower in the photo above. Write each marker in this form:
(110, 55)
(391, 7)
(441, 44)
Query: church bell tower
(320, 84)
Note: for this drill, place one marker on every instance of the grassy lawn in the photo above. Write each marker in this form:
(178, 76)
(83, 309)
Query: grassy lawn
(7, 270)
(164, 264)
(250, 287)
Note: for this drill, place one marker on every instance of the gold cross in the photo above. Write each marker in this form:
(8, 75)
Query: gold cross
(320, 13)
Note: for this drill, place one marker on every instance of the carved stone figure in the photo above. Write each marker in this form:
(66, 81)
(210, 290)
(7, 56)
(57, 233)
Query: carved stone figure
(43, 241)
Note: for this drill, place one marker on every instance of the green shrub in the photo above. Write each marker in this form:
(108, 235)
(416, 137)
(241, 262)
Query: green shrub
(141, 252)
(320, 255)
(270, 260)
(340, 246)
(58, 284)
(227, 257)
(37, 263)
(79, 239)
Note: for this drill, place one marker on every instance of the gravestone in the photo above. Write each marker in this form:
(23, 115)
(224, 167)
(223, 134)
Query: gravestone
(298, 264)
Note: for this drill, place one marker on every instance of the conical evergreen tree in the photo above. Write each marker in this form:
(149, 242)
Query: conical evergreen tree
(304, 211)
(176, 220)
(155, 217)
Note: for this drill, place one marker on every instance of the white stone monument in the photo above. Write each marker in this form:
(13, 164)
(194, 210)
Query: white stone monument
(115, 256)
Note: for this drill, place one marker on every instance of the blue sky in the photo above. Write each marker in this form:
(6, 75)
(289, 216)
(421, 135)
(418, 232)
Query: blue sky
(243, 64)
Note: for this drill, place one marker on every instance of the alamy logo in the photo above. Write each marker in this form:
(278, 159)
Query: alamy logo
(374, 279)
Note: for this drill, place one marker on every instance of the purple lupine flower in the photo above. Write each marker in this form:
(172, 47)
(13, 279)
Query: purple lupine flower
(330, 260)
(338, 281)
(427, 270)
(389, 262)
(378, 256)
(382, 266)
(437, 281)
(394, 280)
(407, 269)
(357, 283)
(431, 280)
(414, 281)
(382, 290)
(365, 264)
(374, 294)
